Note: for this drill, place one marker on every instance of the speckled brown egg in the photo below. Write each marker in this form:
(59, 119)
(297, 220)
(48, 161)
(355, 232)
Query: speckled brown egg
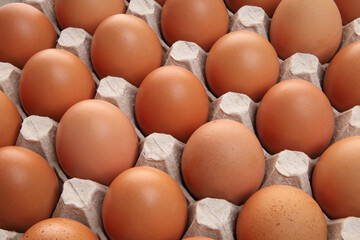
(29, 188)
(59, 229)
(144, 203)
(24, 31)
(199, 21)
(295, 115)
(223, 159)
(336, 179)
(10, 121)
(52, 81)
(95, 140)
(86, 14)
(306, 26)
(281, 212)
(342, 78)
(125, 46)
(243, 62)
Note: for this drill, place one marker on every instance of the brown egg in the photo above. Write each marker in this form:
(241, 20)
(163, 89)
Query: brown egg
(281, 212)
(199, 21)
(198, 238)
(95, 140)
(86, 14)
(144, 203)
(342, 78)
(161, 2)
(59, 229)
(243, 62)
(52, 81)
(29, 188)
(306, 26)
(171, 100)
(223, 159)
(295, 115)
(269, 6)
(336, 179)
(24, 31)
(349, 10)
(10, 121)
(125, 46)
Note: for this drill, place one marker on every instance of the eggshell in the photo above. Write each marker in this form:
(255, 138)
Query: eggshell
(199, 21)
(198, 238)
(295, 115)
(59, 229)
(223, 159)
(161, 2)
(24, 31)
(10, 121)
(336, 179)
(144, 203)
(281, 212)
(269, 6)
(95, 140)
(349, 10)
(52, 81)
(125, 46)
(306, 26)
(29, 188)
(86, 14)
(171, 100)
(342, 78)
(243, 62)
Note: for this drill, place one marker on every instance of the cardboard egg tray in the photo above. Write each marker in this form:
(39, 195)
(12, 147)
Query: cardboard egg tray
(215, 218)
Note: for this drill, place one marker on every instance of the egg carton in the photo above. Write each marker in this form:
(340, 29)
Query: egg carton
(215, 218)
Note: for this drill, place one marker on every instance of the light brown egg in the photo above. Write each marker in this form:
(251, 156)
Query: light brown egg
(269, 6)
(295, 115)
(29, 188)
(95, 140)
(86, 14)
(243, 62)
(281, 212)
(144, 203)
(306, 26)
(24, 31)
(52, 81)
(10, 121)
(171, 100)
(349, 10)
(125, 46)
(59, 229)
(223, 159)
(336, 179)
(199, 21)
(342, 78)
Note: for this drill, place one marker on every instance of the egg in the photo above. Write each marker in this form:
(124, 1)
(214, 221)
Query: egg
(144, 203)
(125, 46)
(349, 10)
(52, 81)
(342, 78)
(86, 14)
(59, 229)
(336, 179)
(269, 6)
(306, 26)
(171, 100)
(198, 238)
(29, 189)
(95, 140)
(281, 212)
(10, 121)
(24, 31)
(243, 62)
(223, 159)
(199, 21)
(295, 115)
(161, 2)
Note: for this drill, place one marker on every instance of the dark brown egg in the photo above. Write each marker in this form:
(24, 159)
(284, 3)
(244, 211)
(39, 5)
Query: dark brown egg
(29, 188)
(349, 10)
